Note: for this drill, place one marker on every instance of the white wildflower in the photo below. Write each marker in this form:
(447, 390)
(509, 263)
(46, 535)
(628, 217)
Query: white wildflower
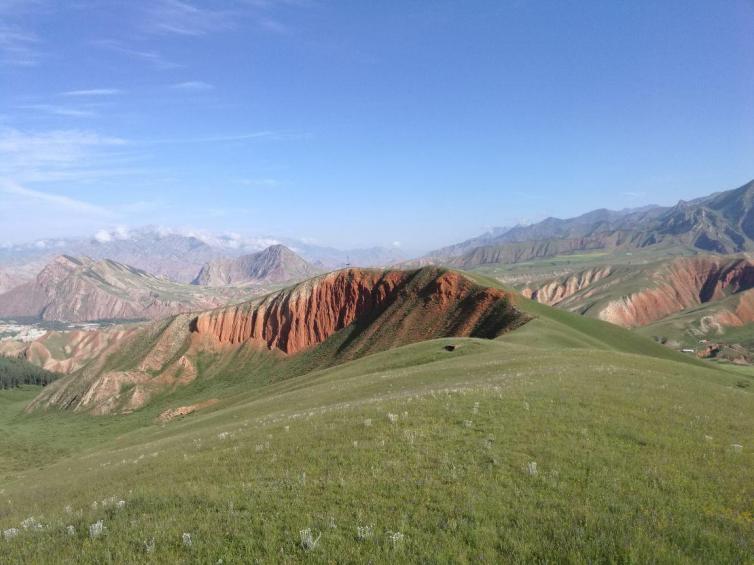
(392, 417)
(10, 533)
(96, 529)
(368, 422)
(737, 447)
(149, 545)
(395, 538)
(186, 539)
(32, 523)
(531, 468)
(476, 408)
(223, 435)
(70, 530)
(307, 539)
(468, 423)
(120, 505)
(364, 533)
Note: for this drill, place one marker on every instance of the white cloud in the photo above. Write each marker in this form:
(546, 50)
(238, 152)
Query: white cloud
(59, 110)
(56, 200)
(195, 85)
(93, 92)
(263, 183)
(152, 57)
(103, 236)
(182, 18)
(18, 47)
(63, 155)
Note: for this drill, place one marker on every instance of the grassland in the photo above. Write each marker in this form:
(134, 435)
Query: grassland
(567, 440)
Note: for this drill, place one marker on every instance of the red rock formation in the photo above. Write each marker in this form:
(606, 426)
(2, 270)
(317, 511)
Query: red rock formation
(682, 284)
(383, 309)
(295, 319)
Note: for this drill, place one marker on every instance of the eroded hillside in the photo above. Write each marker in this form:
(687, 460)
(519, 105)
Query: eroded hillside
(351, 313)
(638, 295)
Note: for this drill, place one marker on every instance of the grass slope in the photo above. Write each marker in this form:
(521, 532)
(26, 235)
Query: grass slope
(413, 454)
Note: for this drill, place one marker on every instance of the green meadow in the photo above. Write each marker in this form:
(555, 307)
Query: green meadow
(568, 440)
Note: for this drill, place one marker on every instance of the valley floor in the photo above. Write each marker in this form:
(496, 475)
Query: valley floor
(495, 452)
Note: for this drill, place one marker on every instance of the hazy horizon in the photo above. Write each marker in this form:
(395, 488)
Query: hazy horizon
(401, 124)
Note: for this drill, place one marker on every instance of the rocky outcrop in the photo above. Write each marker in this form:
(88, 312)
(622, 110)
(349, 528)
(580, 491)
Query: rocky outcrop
(356, 311)
(276, 264)
(81, 289)
(554, 292)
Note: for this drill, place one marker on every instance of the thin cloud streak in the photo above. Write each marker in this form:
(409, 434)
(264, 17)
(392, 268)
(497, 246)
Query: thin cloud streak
(59, 110)
(195, 85)
(151, 57)
(274, 135)
(18, 48)
(182, 18)
(58, 200)
(93, 92)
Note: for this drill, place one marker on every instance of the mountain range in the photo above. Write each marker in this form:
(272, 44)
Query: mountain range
(721, 223)
(177, 255)
(78, 289)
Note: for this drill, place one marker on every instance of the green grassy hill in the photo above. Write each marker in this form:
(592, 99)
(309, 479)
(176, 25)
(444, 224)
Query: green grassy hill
(566, 440)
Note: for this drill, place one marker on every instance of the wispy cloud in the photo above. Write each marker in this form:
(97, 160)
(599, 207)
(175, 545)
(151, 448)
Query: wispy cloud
(260, 183)
(58, 200)
(93, 92)
(274, 26)
(59, 110)
(182, 18)
(56, 155)
(151, 57)
(265, 134)
(195, 85)
(18, 47)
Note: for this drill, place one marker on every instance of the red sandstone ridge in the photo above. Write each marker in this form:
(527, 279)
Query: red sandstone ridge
(433, 303)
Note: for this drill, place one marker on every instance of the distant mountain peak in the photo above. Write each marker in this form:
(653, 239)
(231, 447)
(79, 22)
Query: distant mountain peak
(275, 264)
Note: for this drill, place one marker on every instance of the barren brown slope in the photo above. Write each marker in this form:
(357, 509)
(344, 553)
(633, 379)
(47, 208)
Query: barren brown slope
(67, 351)
(349, 313)
(554, 292)
(639, 295)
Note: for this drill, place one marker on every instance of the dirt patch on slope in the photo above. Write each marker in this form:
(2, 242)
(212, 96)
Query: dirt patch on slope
(173, 413)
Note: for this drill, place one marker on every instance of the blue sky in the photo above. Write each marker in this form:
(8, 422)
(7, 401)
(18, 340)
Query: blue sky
(365, 123)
